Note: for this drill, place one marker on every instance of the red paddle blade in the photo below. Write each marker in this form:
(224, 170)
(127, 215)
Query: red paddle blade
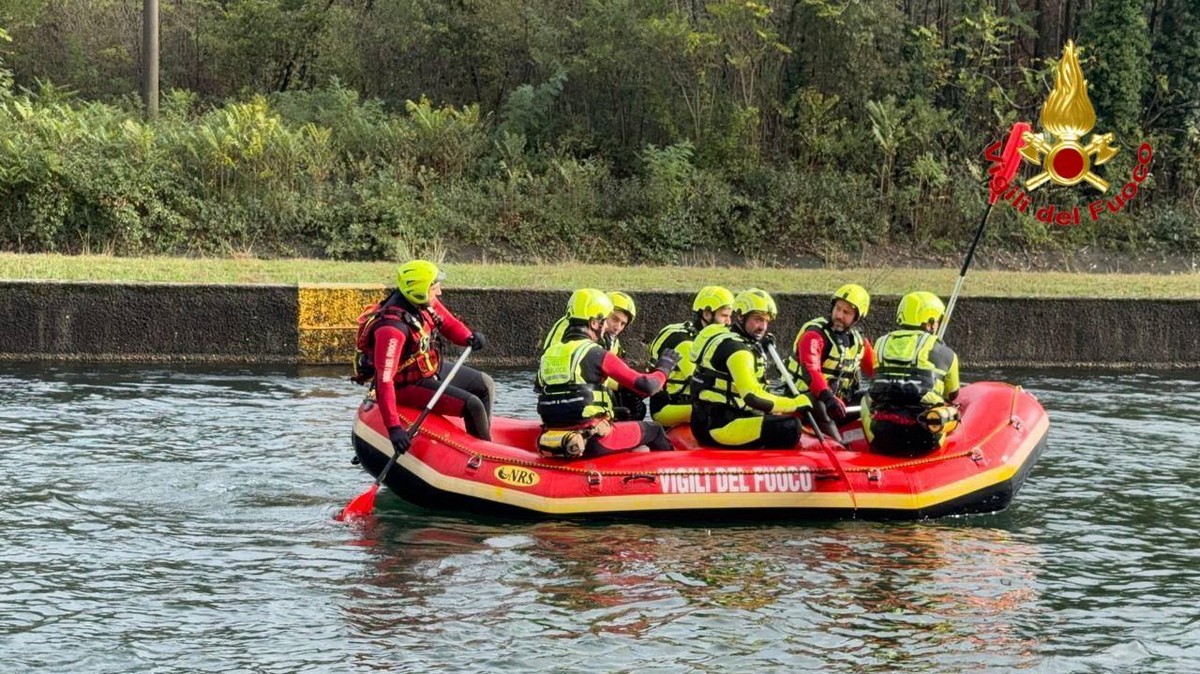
(1010, 161)
(362, 505)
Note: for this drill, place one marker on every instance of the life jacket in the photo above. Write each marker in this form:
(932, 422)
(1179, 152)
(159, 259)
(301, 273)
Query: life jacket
(678, 336)
(565, 398)
(840, 362)
(909, 376)
(613, 344)
(712, 382)
(418, 360)
(555, 336)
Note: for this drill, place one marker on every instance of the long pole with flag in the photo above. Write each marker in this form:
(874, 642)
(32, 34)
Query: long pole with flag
(1010, 161)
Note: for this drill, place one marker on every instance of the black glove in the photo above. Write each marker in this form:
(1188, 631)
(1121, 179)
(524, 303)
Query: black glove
(629, 406)
(400, 439)
(667, 360)
(477, 341)
(834, 407)
(767, 342)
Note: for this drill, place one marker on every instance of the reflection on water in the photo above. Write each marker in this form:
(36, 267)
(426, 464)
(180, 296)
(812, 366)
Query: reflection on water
(181, 520)
(866, 596)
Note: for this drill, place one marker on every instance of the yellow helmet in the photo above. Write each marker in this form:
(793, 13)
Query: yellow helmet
(415, 278)
(712, 298)
(918, 308)
(623, 302)
(755, 299)
(856, 295)
(588, 303)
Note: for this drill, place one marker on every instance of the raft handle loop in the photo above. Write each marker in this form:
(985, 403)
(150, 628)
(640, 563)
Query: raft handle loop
(976, 455)
(474, 462)
(1015, 422)
(593, 478)
(640, 476)
(874, 475)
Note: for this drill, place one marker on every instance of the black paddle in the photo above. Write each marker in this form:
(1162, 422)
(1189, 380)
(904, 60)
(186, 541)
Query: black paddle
(364, 503)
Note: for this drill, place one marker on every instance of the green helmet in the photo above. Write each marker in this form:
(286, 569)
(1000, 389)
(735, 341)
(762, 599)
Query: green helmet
(856, 295)
(623, 302)
(587, 304)
(918, 308)
(712, 298)
(755, 299)
(415, 278)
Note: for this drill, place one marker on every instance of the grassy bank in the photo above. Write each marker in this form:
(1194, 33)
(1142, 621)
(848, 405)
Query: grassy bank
(885, 281)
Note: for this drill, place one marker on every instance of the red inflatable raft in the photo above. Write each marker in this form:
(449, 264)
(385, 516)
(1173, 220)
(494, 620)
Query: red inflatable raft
(983, 464)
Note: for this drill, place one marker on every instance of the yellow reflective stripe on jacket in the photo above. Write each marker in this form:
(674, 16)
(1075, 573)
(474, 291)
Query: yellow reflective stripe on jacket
(555, 336)
(678, 379)
(561, 371)
(841, 365)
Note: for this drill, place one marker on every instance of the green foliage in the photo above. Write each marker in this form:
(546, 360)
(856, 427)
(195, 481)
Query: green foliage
(445, 140)
(1117, 31)
(529, 109)
(6, 77)
(614, 130)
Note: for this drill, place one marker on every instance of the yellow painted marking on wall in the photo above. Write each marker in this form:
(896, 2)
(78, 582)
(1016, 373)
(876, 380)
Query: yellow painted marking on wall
(326, 320)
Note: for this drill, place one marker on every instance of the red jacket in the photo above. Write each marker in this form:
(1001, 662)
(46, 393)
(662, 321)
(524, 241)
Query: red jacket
(811, 353)
(400, 362)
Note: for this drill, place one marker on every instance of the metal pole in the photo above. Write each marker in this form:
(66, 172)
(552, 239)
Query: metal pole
(150, 58)
(962, 274)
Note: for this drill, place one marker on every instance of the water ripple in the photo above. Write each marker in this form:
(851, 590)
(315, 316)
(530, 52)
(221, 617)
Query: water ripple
(181, 521)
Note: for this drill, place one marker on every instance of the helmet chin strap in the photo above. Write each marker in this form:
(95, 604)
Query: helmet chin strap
(597, 333)
(739, 325)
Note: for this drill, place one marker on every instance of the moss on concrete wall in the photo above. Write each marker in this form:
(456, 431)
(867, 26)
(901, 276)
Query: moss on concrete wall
(147, 322)
(315, 324)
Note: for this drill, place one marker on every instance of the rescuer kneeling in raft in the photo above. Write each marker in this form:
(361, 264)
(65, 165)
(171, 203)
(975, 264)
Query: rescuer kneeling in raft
(830, 355)
(672, 406)
(627, 405)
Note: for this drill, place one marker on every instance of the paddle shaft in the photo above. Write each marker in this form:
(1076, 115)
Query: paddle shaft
(812, 420)
(791, 386)
(416, 425)
(962, 273)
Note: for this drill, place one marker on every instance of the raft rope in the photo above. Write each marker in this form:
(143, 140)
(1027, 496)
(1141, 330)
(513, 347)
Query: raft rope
(972, 454)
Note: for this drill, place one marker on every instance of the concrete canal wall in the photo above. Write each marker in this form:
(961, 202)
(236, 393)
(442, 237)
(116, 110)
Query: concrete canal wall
(314, 324)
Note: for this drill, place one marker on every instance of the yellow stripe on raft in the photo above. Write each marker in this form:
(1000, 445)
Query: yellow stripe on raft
(961, 487)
